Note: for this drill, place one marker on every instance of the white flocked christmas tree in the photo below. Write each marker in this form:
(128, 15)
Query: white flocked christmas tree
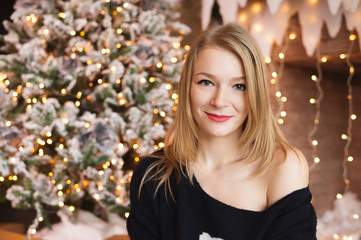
(86, 86)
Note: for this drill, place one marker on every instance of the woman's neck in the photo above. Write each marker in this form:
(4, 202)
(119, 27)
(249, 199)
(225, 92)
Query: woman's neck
(214, 153)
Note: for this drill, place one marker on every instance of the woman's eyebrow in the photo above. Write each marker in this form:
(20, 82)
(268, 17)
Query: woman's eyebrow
(242, 78)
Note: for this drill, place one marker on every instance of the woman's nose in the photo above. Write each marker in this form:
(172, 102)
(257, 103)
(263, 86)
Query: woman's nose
(219, 98)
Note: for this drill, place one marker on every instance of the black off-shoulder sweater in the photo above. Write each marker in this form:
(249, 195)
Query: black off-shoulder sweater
(194, 215)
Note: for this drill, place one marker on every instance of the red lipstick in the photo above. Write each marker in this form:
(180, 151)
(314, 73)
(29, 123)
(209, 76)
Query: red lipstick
(218, 118)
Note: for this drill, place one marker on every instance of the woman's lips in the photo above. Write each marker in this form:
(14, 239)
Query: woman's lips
(218, 118)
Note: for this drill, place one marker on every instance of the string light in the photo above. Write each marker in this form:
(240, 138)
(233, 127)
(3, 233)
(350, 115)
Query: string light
(348, 136)
(317, 79)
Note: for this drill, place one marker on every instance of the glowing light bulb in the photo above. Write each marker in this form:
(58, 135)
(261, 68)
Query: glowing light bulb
(350, 158)
(314, 78)
(61, 204)
(33, 231)
(324, 59)
(71, 208)
(135, 146)
(159, 65)
(274, 74)
(281, 55)
(342, 56)
(174, 60)
(314, 142)
(267, 60)
(344, 136)
(126, 214)
(283, 113)
(312, 100)
(352, 37)
(339, 196)
(292, 36)
(353, 116)
(280, 121)
(316, 159)
(278, 94)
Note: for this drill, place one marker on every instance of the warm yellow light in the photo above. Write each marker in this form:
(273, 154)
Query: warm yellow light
(99, 65)
(174, 60)
(135, 146)
(324, 59)
(119, 9)
(126, 214)
(120, 146)
(316, 159)
(82, 33)
(353, 116)
(344, 136)
(278, 94)
(162, 114)
(284, 99)
(33, 231)
(136, 159)
(71, 208)
(352, 37)
(187, 47)
(174, 96)
(283, 114)
(292, 36)
(267, 60)
(339, 196)
(60, 193)
(168, 86)
(96, 197)
(280, 121)
(274, 74)
(15, 178)
(350, 158)
(8, 123)
(63, 91)
(65, 159)
(62, 15)
(314, 142)
(256, 8)
(87, 125)
(273, 81)
(352, 70)
(314, 78)
(155, 111)
(161, 144)
(77, 103)
(61, 146)
(100, 81)
(159, 65)
(72, 33)
(50, 174)
(281, 55)
(41, 152)
(41, 219)
(61, 204)
(355, 216)
(242, 18)
(176, 45)
(125, 5)
(312, 100)
(2, 179)
(152, 79)
(342, 56)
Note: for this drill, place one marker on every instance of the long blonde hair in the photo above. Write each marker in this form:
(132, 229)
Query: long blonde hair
(261, 135)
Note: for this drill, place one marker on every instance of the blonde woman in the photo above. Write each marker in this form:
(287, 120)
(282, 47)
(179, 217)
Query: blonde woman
(227, 171)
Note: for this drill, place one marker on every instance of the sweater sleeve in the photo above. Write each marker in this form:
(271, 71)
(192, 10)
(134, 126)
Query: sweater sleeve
(296, 218)
(142, 222)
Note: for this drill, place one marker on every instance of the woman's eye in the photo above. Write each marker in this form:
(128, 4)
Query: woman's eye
(205, 82)
(240, 87)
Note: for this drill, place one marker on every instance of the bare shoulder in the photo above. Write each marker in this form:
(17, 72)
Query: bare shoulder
(286, 175)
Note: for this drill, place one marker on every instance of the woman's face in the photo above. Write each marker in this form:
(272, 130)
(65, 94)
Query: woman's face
(218, 93)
